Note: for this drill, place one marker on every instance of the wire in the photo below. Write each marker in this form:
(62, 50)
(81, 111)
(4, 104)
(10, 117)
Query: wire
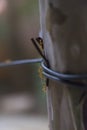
(64, 78)
(72, 83)
(61, 75)
(20, 62)
(49, 73)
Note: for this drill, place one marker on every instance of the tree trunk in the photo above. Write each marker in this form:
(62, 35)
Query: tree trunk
(64, 31)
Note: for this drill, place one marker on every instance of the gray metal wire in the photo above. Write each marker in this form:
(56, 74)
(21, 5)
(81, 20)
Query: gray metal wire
(70, 79)
(20, 62)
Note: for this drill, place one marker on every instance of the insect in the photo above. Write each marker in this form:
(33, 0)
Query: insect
(38, 43)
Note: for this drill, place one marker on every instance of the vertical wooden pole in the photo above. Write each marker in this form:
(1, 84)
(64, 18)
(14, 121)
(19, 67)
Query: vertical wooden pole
(64, 31)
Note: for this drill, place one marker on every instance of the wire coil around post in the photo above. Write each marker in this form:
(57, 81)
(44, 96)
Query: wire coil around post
(71, 79)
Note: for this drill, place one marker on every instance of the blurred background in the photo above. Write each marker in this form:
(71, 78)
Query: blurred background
(22, 101)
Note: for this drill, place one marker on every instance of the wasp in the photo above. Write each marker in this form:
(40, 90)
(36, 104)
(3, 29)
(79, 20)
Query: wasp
(40, 42)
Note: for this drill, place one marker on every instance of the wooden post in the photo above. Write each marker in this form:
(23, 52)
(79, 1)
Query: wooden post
(64, 31)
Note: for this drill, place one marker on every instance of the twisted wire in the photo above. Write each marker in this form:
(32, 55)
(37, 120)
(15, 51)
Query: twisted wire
(71, 79)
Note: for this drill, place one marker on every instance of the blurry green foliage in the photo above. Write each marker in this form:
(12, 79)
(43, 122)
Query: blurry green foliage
(28, 7)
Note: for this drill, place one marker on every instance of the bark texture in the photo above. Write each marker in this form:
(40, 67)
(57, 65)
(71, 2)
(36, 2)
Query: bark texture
(64, 30)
